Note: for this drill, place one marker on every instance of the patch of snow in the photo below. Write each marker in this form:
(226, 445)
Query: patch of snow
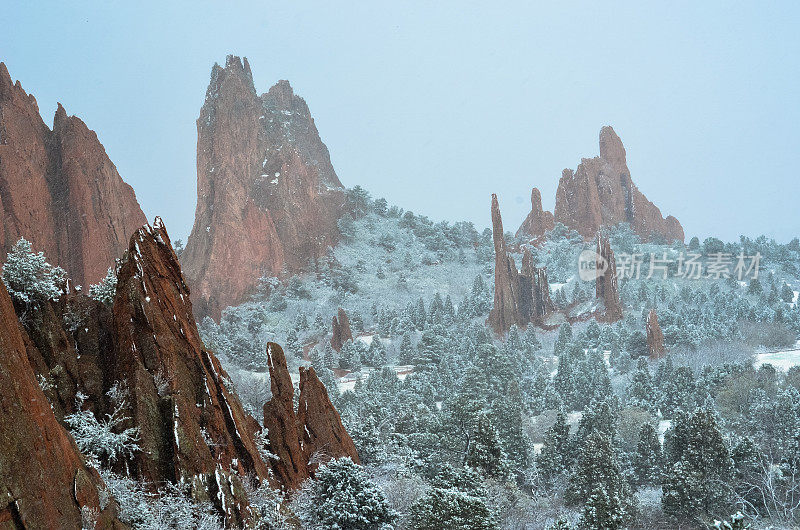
(781, 360)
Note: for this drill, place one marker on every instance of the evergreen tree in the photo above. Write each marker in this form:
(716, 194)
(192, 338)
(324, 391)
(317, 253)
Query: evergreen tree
(648, 459)
(563, 339)
(30, 279)
(455, 500)
(342, 496)
(641, 392)
(700, 467)
(599, 483)
(486, 449)
(553, 459)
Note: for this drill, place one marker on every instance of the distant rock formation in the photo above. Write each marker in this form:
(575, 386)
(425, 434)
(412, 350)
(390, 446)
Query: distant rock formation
(268, 198)
(309, 437)
(44, 481)
(59, 190)
(193, 428)
(601, 193)
(655, 338)
(606, 287)
(519, 298)
(341, 330)
(538, 221)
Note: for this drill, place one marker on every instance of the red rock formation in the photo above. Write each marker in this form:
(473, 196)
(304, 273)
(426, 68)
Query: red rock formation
(312, 435)
(192, 425)
(519, 298)
(606, 287)
(538, 221)
(601, 193)
(268, 199)
(59, 190)
(323, 436)
(341, 330)
(44, 482)
(655, 338)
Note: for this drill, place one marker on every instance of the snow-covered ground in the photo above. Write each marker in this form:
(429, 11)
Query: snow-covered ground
(782, 360)
(347, 382)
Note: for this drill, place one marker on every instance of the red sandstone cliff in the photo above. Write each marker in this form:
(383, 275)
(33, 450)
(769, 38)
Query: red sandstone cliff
(192, 425)
(308, 437)
(59, 190)
(538, 221)
(601, 193)
(522, 297)
(268, 198)
(606, 287)
(44, 481)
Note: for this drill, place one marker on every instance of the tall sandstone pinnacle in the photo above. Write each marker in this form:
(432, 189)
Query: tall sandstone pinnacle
(44, 480)
(606, 287)
(340, 330)
(655, 337)
(601, 193)
(520, 298)
(192, 425)
(538, 221)
(59, 190)
(268, 198)
(307, 437)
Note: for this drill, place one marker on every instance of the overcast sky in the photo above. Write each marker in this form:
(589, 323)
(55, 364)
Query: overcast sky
(436, 105)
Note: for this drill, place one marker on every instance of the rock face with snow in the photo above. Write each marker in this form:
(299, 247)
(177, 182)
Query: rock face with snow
(601, 193)
(606, 287)
(44, 481)
(341, 330)
(303, 439)
(193, 428)
(59, 190)
(655, 338)
(268, 198)
(538, 221)
(520, 298)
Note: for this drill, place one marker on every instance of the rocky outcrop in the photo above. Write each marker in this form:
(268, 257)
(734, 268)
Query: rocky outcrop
(601, 193)
(59, 190)
(268, 198)
(520, 298)
(304, 439)
(341, 330)
(44, 481)
(606, 287)
(192, 426)
(538, 221)
(655, 338)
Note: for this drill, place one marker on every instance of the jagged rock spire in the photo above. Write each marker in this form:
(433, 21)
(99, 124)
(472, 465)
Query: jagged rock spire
(268, 198)
(538, 220)
(519, 298)
(304, 439)
(606, 287)
(601, 193)
(655, 338)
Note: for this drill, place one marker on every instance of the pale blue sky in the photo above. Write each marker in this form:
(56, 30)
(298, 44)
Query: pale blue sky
(435, 105)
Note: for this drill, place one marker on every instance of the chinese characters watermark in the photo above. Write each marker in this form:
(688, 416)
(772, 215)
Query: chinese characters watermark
(690, 266)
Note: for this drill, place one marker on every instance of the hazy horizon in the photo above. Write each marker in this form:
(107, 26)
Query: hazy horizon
(435, 113)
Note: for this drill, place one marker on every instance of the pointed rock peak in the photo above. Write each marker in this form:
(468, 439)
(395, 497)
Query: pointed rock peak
(497, 224)
(611, 148)
(234, 77)
(5, 78)
(536, 200)
(60, 118)
(282, 89)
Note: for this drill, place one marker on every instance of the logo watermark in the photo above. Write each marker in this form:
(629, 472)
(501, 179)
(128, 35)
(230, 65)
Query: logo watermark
(690, 266)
